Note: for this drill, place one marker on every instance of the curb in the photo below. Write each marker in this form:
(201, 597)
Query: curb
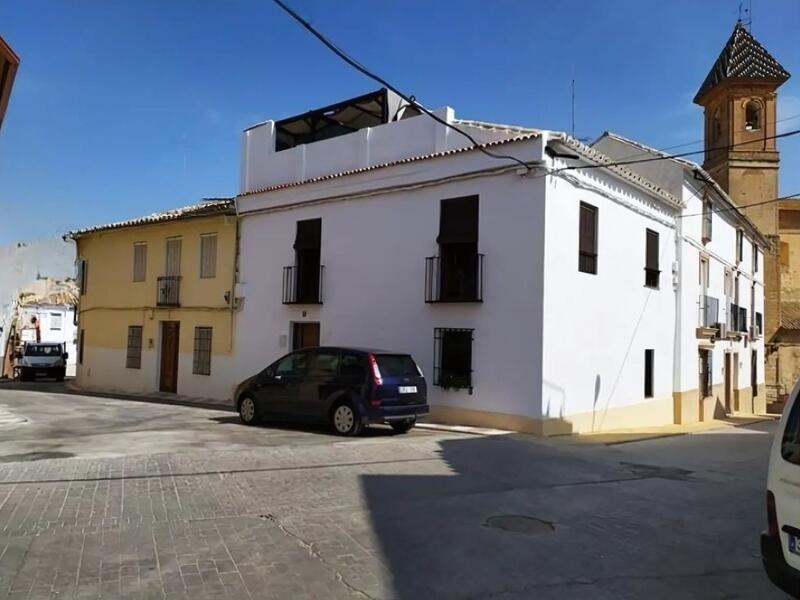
(178, 401)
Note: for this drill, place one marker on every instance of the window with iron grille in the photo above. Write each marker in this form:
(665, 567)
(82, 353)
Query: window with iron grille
(651, 271)
(139, 261)
(133, 359)
(587, 244)
(201, 363)
(707, 220)
(452, 367)
(208, 256)
(649, 358)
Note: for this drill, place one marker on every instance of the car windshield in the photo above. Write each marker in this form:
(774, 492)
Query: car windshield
(39, 350)
(396, 365)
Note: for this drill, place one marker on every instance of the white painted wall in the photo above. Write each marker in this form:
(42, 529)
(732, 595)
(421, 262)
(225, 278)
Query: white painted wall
(597, 327)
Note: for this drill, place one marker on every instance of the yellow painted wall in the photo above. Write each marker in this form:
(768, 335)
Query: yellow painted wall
(113, 301)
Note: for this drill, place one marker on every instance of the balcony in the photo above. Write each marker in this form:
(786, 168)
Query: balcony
(457, 279)
(302, 285)
(709, 312)
(168, 292)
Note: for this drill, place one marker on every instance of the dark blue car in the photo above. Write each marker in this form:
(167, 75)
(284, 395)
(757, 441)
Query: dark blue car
(346, 387)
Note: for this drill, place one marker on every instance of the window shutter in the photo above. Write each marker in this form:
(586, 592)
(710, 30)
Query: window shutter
(173, 257)
(139, 262)
(588, 229)
(208, 255)
(651, 261)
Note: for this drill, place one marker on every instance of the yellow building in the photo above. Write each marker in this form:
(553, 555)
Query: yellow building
(157, 305)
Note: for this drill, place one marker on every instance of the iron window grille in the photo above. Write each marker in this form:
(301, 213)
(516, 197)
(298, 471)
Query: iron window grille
(587, 239)
(133, 358)
(169, 288)
(452, 351)
(201, 358)
(458, 280)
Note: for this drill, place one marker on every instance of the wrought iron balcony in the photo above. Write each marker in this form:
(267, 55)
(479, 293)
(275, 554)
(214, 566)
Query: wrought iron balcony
(709, 312)
(302, 285)
(459, 280)
(169, 291)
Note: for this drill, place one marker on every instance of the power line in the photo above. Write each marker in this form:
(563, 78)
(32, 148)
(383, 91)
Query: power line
(738, 207)
(410, 99)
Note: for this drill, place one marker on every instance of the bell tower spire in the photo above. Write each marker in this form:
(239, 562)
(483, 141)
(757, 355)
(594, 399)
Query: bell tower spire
(739, 96)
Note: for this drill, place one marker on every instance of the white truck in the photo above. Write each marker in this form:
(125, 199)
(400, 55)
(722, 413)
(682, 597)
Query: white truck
(42, 358)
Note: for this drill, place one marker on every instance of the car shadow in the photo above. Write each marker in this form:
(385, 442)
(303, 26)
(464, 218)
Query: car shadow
(372, 431)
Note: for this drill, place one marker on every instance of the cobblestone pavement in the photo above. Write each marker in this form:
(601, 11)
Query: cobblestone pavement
(383, 517)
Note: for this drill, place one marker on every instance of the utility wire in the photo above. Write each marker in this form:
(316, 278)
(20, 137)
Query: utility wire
(740, 206)
(410, 99)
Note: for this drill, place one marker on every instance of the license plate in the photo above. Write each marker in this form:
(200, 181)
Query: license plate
(794, 545)
(408, 389)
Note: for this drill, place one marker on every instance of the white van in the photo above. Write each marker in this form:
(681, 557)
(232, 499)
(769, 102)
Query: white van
(780, 544)
(39, 358)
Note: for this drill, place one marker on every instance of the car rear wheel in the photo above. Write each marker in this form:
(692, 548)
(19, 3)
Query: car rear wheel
(345, 420)
(248, 411)
(403, 426)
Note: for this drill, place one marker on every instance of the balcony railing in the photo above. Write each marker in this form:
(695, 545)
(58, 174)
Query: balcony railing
(458, 281)
(709, 312)
(169, 291)
(302, 285)
(737, 318)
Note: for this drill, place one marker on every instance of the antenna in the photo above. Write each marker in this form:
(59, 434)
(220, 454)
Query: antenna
(573, 107)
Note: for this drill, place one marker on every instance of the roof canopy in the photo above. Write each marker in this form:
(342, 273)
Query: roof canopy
(742, 58)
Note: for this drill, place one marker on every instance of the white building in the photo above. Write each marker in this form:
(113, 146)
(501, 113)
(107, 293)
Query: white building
(721, 269)
(56, 324)
(539, 299)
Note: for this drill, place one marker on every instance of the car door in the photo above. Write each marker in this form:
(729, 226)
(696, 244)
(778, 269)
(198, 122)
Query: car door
(320, 382)
(277, 387)
(784, 480)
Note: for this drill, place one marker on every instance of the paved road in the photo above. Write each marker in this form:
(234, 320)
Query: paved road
(175, 502)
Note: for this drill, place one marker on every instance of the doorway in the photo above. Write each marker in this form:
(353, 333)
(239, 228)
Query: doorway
(305, 335)
(170, 340)
(728, 382)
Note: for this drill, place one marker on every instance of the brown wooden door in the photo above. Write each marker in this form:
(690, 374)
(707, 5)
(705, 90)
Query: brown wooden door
(305, 335)
(728, 390)
(170, 338)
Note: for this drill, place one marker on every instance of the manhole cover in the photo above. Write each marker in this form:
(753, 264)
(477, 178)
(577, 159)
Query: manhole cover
(520, 524)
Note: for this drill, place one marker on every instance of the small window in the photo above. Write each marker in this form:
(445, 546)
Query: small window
(133, 360)
(201, 360)
(83, 276)
(651, 271)
(739, 245)
(752, 115)
(55, 321)
(755, 257)
(716, 126)
(649, 357)
(704, 274)
(587, 244)
(323, 363)
(208, 256)
(139, 261)
(708, 213)
(754, 372)
(81, 340)
(760, 323)
(453, 358)
(790, 444)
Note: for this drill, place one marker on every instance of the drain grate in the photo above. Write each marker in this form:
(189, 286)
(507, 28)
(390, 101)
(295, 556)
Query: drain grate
(520, 524)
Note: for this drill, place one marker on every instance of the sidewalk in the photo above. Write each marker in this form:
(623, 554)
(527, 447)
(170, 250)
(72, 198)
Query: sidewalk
(157, 397)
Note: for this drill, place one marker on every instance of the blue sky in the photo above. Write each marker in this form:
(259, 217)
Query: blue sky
(124, 108)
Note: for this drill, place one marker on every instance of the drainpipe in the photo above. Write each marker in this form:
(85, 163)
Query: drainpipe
(677, 279)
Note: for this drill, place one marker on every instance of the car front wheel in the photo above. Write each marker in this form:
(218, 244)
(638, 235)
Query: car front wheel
(248, 411)
(345, 420)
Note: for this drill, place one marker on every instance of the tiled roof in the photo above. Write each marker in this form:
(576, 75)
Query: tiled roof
(790, 315)
(208, 207)
(742, 58)
(693, 166)
(520, 134)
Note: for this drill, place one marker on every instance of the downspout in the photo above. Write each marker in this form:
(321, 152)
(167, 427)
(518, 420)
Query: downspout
(677, 279)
